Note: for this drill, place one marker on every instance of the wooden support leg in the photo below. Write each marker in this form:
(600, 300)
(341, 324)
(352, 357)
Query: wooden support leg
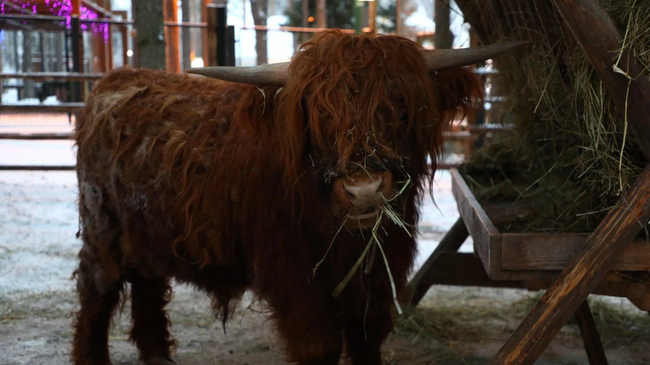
(422, 280)
(590, 335)
(580, 278)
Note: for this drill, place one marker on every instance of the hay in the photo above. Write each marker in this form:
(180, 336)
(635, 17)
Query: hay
(569, 156)
(443, 322)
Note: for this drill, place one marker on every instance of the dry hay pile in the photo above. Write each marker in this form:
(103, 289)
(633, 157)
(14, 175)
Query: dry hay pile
(570, 154)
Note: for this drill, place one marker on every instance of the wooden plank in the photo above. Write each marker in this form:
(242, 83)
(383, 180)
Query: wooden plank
(36, 136)
(36, 168)
(451, 242)
(562, 299)
(465, 269)
(545, 251)
(42, 108)
(590, 336)
(600, 39)
(52, 76)
(487, 238)
(641, 301)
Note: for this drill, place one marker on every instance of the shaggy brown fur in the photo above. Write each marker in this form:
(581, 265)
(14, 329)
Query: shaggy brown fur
(228, 187)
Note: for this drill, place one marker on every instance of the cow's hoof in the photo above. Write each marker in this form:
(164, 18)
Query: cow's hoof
(160, 361)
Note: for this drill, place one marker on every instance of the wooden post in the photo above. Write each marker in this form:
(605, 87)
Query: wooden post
(186, 36)
(209, 54)
(172, 37)
(321, 13)
(590, 336)
(230, 45)
(77, 55)
(221, 26)
(76, 7)
(372, 17)
(206, 33)
(574, 284)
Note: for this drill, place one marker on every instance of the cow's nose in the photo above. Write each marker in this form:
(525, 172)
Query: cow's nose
(364, 194)
(364, 190)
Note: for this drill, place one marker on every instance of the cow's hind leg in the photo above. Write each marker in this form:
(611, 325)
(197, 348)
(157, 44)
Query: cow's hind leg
(150, 330)
(98, 296)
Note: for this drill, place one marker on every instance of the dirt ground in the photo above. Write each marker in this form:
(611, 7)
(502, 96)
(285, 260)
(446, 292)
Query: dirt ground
(38, 221)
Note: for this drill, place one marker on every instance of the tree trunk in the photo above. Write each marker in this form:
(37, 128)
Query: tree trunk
(443, 39)
(29, 91)
(150, 34)
(259, 8)
(321, 17)
(187, 40)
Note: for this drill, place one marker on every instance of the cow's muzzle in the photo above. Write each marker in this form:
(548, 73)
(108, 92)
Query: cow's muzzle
(362, 194)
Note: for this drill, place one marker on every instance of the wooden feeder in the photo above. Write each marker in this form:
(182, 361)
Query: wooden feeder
(569, 266)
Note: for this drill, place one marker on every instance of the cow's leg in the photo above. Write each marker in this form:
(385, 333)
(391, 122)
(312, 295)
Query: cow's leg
(311, 330)
(365, 334)
(150, 330)
(99, 293)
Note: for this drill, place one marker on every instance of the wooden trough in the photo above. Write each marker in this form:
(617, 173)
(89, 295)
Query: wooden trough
(521, 256)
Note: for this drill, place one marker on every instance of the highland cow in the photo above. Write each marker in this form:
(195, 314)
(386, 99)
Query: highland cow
(300, 182)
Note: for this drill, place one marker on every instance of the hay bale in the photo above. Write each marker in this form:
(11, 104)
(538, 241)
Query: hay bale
(570, 154)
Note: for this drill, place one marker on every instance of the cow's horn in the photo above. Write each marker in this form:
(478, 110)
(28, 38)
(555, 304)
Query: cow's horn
(440, 59)
(272, 74)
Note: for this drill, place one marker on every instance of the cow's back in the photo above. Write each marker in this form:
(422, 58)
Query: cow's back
(147, 148)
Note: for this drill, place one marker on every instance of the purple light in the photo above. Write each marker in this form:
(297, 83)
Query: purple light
(63, 8)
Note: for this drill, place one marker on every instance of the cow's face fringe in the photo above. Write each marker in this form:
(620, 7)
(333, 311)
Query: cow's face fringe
(353, 99)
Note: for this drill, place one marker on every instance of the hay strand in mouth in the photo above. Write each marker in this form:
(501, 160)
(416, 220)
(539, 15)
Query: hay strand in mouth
(390, 277)
(329, 248)
(375, 242)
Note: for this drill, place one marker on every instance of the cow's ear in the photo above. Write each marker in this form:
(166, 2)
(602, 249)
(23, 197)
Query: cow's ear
(459, 91)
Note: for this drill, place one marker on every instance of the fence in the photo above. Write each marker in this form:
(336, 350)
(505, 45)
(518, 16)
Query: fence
(72, 85)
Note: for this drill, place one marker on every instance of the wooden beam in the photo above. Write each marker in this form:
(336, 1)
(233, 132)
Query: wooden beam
(41, 108)
(36, 168)
(52, 76)
(36, 136)
(627, 86)
(590, 336)
(574, 284)
(465, 269)
(422, 281)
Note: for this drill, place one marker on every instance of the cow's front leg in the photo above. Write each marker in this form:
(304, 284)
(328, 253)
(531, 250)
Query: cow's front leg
(311, 329)
(365, 333)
